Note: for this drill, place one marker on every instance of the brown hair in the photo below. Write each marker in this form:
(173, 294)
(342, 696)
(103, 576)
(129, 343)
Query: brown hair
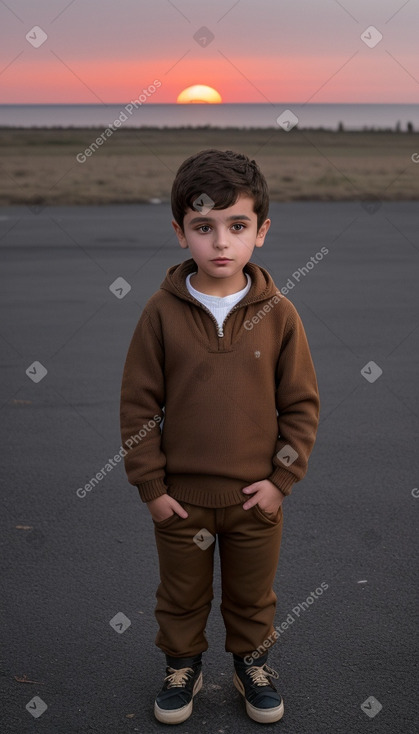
(223, 176)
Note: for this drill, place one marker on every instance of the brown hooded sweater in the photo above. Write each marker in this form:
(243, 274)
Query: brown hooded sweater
(238, 405)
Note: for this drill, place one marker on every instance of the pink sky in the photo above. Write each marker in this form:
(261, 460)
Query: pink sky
(295, 51)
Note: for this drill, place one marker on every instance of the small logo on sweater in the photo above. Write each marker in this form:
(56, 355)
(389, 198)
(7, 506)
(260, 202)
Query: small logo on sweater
(203, 204)
(287, 455)
(203, 539)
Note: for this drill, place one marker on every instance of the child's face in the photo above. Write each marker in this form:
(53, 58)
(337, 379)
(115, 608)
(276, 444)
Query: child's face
(229, 233)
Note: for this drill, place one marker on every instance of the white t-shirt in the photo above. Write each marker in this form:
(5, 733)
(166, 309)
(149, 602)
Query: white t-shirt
(219, 307)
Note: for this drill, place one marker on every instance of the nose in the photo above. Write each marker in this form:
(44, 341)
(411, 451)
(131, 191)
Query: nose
(220, 239)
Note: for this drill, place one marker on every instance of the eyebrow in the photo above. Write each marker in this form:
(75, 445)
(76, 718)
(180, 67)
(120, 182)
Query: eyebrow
(234, 217)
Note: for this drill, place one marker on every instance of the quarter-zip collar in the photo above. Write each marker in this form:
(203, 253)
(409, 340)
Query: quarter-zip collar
(261, 289)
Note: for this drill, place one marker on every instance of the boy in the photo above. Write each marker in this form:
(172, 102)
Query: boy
(225, 356)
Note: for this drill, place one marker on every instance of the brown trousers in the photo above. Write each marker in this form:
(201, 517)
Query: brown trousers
(249, 543)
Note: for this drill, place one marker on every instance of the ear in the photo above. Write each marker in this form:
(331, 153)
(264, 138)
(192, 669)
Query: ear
(260, 237)
(180, 234)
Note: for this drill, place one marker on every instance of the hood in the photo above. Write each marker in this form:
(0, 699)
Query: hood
(262, 287)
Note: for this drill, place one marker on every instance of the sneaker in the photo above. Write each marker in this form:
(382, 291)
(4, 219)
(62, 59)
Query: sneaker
(263, 702)
(174, 703)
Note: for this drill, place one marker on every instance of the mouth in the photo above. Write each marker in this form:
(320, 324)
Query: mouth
(221, 260)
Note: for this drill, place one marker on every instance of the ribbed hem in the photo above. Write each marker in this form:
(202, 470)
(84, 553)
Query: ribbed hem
(206, 490)
(152, 489)
(282, 479)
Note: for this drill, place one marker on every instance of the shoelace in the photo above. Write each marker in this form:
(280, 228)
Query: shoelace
(177, 678)
(259, 674)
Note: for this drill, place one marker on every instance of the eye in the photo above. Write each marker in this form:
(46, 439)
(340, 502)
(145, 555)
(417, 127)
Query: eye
(237, 224)
(204, 228)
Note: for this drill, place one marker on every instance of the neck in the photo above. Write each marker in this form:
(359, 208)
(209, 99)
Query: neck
(219, 287)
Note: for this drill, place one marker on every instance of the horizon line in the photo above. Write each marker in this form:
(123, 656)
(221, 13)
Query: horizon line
(206, 104)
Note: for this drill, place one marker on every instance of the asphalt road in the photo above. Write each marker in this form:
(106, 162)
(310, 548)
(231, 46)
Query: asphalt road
(72, 564)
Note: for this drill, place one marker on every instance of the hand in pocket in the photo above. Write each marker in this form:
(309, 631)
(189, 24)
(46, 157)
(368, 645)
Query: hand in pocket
(164, 507)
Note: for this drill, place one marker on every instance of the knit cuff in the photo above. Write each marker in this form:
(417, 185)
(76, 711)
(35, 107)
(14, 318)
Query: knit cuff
(282, 479)
(152, 489)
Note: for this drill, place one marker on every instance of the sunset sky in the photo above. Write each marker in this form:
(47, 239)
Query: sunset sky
(249, 50)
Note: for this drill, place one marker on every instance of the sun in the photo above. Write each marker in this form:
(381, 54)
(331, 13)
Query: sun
(199, 94)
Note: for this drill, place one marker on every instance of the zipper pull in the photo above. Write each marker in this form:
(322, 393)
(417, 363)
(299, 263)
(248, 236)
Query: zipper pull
(220, 331)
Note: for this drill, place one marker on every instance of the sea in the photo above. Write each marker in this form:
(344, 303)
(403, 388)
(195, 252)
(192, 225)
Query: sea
(327, 116)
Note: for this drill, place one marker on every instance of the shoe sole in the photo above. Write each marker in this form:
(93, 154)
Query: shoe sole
(262, 716)
(178, 715)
